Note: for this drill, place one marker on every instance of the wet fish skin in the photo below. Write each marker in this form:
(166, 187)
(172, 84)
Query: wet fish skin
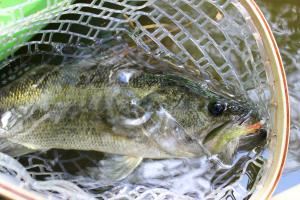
(76, 107)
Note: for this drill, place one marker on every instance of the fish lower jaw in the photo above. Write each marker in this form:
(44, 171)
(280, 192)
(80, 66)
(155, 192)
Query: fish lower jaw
(227, 152)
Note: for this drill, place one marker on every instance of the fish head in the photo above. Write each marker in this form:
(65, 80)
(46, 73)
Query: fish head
(226, 124)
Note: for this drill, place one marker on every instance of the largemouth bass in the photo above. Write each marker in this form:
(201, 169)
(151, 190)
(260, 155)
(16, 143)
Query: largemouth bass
(117, 107)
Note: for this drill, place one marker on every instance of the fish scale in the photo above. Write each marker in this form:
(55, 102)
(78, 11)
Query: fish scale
(67, 133)
(86, 105)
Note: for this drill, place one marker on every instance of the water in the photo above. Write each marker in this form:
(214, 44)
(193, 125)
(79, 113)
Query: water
(155, 177)
(284, 17)
(136, 99)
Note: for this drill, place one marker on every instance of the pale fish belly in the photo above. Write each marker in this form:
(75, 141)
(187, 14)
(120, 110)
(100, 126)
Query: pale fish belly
(103, 142)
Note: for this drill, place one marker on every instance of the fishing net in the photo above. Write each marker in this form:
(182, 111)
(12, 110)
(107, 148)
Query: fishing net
(216, 40)
(285, 26)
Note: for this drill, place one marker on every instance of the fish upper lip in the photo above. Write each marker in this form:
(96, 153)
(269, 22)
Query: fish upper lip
(244, 118)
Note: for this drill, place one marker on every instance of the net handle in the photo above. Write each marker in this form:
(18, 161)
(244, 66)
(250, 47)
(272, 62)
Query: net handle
(281, 110)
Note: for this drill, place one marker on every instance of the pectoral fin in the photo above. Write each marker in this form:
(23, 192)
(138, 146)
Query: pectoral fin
(114, 168)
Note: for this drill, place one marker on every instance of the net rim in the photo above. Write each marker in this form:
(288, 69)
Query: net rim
(274, 173)
(12, 192)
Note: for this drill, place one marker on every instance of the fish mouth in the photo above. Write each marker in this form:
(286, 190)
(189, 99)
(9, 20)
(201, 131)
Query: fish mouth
(216, 131)
(220, 139)
(257, 139)
(230, 123)
(241, 128)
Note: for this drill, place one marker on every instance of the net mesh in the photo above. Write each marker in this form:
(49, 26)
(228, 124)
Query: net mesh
(215, 39)
(284, 26)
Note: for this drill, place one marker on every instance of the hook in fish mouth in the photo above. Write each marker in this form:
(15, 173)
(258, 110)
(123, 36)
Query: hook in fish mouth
(247, 142)
(219, 137)
(235, 122)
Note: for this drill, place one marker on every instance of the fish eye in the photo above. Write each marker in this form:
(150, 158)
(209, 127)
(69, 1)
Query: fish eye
(216, 108)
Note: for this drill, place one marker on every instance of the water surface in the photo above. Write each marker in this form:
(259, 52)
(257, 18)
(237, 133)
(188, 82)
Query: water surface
(284, 18)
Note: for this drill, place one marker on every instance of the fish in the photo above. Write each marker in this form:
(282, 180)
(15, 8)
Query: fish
(116, 105)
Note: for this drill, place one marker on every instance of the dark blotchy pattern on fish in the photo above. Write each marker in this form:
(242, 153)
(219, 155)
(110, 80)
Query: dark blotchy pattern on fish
(113, 105)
